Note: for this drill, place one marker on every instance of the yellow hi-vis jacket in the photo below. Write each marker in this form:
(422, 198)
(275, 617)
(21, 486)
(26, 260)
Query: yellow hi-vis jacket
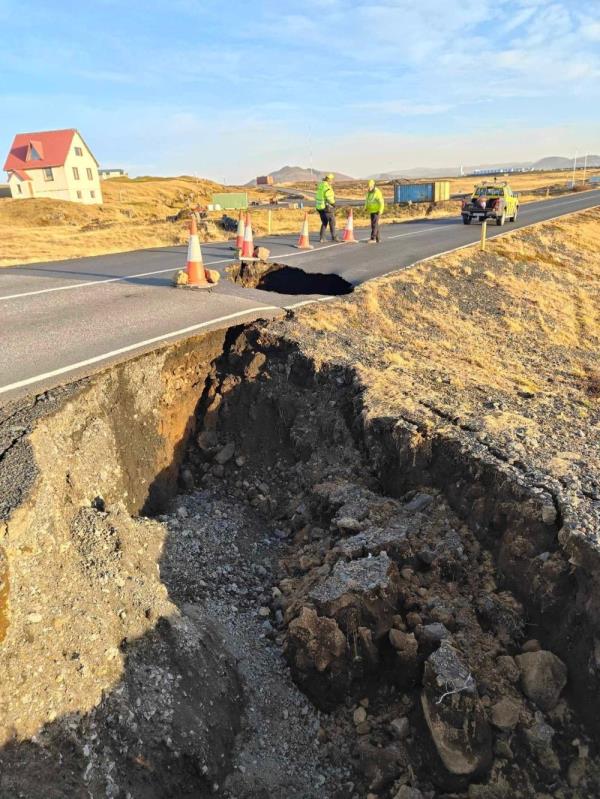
(324, 196)
(374, 202)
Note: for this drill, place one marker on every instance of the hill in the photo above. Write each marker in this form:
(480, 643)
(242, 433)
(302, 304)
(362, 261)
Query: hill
(548, 163)
(299, 174)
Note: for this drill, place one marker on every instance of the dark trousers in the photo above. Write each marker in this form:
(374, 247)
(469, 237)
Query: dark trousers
(327, 220)
(375, 227)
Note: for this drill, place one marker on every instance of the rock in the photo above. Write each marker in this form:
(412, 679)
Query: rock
(434, 634)
(454, 715)
(348, 525)
(317, 651)
(362, 593)
(418, 503)
(207, 440)
(406, 647)
(225, 454)
(508, 668)
(400, 727)
(406, 792)
(531, 646)
(505, 714)
(539, 737)
(182, 512)
(576, 771)
(187, 479)
(264, 612)
(543, 677)
(262, 253)
(359, 715)
(381, 766)
(392, 540)
(549, 513)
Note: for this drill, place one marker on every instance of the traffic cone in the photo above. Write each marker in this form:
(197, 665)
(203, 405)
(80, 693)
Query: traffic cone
(247, 251)
(195, 267)
(239, 239)
(304, 241)
(348, 236)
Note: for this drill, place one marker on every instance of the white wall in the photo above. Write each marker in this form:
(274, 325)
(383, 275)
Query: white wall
(64, 185)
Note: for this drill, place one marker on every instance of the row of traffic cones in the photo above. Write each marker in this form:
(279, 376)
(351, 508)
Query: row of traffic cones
(199, 277)
(347, 238)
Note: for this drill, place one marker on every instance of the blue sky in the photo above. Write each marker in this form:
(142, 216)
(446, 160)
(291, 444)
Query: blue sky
(228, 90)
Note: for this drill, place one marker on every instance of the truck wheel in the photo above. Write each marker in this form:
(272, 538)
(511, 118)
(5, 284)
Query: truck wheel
(466, 219)
(501, 219)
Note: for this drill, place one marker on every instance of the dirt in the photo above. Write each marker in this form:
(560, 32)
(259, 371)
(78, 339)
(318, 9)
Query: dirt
(349, 554)
(285, 279)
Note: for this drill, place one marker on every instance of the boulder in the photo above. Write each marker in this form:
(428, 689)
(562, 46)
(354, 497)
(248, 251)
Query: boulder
(317, 651)
(454, 717)
(505, 714)
(361, 593)
(225, 454)
(543, 677)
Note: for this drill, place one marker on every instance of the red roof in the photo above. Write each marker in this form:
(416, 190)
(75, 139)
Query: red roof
(20, 174)
(52, 145)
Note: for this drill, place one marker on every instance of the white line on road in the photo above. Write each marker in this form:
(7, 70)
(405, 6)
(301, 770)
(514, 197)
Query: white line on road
(85, 283)
(122, 350)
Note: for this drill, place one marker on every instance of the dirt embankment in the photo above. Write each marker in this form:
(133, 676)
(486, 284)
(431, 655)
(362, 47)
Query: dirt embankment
(395, 495)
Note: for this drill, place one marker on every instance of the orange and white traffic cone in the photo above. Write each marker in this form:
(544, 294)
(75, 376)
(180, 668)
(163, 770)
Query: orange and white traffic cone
(348, 237)
(247, 251)
(304, 241)
(239, 239)
(195, 266)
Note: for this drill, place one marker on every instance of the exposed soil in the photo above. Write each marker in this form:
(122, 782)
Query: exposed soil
(287, 279)
(376, 580)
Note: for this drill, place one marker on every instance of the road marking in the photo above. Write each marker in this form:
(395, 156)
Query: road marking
(123, 278)
(85, 283)
(122, 350)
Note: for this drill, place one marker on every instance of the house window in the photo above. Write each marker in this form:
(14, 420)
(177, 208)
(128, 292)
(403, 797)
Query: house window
(48, 174)
(78, 151)
(75, 173)
(79, 195)
(93, 194)
(19, 189)
(89, 173)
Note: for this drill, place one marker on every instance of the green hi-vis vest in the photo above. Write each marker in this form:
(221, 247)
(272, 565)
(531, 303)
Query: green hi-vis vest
(325, 194)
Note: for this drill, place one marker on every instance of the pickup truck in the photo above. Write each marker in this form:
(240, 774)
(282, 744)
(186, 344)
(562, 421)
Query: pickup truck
(491, 201)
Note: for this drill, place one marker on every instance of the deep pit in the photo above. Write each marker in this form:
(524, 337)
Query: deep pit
(325, 604)
(285, 279)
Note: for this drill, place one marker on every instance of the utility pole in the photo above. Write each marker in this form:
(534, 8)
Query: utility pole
(574, 168)
(584, 166)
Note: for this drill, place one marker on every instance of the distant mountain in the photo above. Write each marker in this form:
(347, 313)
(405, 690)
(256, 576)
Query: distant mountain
(558, 162)
(549, 163)
(299, 174)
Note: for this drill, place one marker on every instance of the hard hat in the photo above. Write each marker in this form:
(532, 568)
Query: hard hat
(371, 184)
(329, 176)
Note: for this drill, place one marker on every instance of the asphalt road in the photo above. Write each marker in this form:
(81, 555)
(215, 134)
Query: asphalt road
(64, 319)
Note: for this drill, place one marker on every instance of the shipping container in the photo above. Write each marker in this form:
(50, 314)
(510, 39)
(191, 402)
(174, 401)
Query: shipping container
(231, 201)
(264, 180)
(435, 192)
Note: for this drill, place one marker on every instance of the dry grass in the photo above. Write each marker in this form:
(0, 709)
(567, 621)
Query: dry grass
(522, 320)
(134, 215)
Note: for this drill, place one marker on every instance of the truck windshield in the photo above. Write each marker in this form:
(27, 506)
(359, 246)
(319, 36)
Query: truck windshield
(487, 191)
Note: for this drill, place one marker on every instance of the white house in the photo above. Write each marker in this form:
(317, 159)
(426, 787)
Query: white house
(112, 173)
(53, 163)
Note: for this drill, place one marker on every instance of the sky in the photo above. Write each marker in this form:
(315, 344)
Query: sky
(229, 90)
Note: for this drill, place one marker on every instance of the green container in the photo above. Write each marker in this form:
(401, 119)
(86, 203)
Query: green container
(231, 201)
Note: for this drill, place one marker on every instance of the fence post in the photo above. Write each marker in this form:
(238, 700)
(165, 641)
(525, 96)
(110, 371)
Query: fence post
(483, 234)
